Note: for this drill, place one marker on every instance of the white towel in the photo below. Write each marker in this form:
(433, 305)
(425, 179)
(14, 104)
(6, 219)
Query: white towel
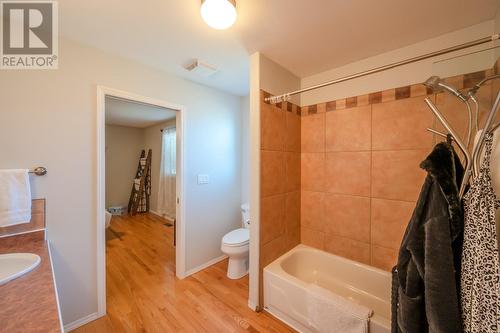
(15, 197)
(331, 313)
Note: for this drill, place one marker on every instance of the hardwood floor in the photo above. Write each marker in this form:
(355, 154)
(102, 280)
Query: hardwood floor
(143, 294)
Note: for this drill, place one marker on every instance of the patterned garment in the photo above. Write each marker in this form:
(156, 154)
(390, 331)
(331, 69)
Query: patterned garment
(480, 280)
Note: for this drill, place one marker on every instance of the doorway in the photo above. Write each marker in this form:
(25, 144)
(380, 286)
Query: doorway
(139, 182)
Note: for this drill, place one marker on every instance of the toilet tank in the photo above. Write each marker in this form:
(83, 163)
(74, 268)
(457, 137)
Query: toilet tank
(245, 215)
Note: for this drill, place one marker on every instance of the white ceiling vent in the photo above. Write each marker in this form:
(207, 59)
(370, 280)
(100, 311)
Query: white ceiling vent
(201, 68)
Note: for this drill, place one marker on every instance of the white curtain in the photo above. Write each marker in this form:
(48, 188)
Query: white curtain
(166, 188)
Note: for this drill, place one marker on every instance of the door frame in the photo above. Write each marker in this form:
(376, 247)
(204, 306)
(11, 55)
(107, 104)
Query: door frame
(180, 249)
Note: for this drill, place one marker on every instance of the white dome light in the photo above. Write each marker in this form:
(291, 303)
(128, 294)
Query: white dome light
(219, 14)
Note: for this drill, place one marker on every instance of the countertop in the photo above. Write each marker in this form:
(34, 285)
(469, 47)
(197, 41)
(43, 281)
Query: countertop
(29, 303)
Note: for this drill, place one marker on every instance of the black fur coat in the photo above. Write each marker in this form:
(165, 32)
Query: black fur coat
(426, 277)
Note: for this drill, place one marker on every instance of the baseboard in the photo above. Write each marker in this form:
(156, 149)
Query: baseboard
(159, 215)
(205, 265)
(252, 306)
(80, 322)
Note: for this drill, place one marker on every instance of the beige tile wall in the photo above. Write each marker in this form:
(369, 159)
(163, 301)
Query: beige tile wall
(356, 163)
(280, 180)
(344, 176)
(360, 175)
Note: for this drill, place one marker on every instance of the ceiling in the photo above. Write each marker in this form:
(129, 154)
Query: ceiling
(305, 36)
(121, 112)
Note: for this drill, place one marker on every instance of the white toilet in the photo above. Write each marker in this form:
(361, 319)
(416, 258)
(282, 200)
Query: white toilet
(236, 245)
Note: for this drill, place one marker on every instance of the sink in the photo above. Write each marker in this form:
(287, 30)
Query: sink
(14, 265)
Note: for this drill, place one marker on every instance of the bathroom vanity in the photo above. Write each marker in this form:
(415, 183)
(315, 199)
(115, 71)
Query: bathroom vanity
(29, 303)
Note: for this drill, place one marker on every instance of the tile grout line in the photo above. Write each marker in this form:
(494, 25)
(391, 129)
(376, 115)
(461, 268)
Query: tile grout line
(371, 182)
(324, 177)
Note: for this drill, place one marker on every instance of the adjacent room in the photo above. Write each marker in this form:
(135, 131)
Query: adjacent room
(140, 148)
(140, 173)
(312, 166)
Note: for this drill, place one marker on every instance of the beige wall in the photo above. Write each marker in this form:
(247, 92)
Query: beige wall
(123, 148)
(49, 118)
(153, 141)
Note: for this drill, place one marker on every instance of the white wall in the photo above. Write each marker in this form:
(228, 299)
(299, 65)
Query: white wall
(123, 148)
(153, 141)
(408, 74)
(245, 149)
(276, 80)
(48, 118)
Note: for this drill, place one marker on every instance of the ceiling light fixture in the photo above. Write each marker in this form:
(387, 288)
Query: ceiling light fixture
(219, 14)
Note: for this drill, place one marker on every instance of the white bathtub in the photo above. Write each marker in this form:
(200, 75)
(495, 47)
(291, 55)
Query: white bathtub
(286, 280)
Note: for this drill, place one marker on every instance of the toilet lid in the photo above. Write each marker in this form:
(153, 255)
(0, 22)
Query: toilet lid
(236, 237)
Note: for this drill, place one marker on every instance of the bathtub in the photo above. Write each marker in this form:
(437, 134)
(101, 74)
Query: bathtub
(286, 280)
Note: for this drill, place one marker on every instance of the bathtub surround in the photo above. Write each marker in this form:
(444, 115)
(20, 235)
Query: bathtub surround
(360, 167)
(280, 179)
(360, 178)
(359, 172)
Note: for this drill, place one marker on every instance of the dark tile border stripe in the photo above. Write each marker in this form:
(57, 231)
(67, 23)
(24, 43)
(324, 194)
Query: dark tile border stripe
(403, 92)
(465, 81)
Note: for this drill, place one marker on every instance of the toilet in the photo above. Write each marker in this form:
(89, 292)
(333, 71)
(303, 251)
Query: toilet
(236, 245)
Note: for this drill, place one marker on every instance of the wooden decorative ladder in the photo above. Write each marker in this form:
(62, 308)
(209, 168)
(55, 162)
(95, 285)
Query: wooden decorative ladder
(141, 187)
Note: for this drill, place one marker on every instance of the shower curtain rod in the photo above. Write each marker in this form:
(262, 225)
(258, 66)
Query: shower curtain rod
(286, 97)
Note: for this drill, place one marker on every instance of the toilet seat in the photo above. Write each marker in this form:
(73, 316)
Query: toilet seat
(238, 237)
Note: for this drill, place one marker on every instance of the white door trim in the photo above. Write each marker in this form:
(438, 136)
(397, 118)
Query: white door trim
(180, 250)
